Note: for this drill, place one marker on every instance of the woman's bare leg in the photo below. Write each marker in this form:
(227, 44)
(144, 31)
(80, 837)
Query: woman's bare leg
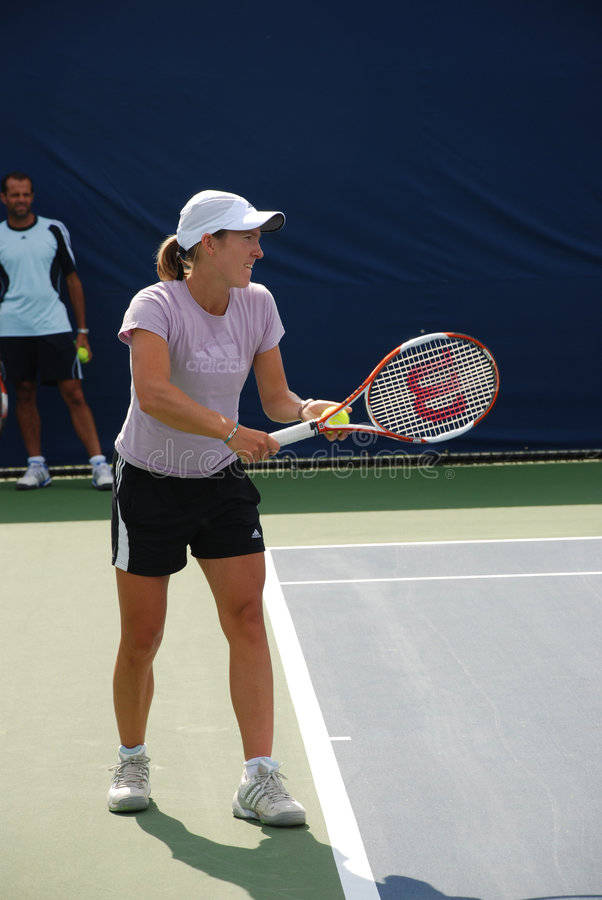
(143, 605)
(237, 586)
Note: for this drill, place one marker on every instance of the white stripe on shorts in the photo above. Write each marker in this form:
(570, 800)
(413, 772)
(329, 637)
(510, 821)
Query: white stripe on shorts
(122, 558)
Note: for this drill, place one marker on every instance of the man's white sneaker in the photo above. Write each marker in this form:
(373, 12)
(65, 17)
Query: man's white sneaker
(130, 788)
(102, 476)
(36, 476)
(264, 797)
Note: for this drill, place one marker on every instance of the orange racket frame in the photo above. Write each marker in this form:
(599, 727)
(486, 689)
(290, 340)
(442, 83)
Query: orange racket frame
(303, 430)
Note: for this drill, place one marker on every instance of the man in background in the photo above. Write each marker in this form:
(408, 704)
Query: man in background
(36, 340)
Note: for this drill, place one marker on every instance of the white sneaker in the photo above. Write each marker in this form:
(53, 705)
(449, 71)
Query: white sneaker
(265, 797)
(36, 476)
(130, 788)
(102, 476)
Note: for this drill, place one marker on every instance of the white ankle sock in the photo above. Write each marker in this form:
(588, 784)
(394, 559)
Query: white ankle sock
(251, 767)
(95, 460)
(132, 751)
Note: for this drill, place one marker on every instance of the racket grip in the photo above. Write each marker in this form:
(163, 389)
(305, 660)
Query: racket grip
(293, 433)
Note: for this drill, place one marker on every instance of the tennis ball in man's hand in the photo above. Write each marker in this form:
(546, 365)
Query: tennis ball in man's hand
(83, 355)
(341, 418)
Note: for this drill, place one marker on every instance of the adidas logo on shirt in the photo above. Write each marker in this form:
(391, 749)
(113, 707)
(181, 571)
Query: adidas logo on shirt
(216, 359)
(256, 534)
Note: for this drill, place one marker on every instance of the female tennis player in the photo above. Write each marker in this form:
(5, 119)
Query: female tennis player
(180, 481)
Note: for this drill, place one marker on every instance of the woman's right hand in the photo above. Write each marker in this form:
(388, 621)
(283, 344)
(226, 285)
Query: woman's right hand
(253, 446)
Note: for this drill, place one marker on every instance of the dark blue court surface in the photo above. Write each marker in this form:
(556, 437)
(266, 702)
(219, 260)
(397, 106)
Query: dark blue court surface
(460, 687)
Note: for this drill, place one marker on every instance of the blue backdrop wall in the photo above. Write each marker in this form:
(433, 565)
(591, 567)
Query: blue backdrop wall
(439, 165)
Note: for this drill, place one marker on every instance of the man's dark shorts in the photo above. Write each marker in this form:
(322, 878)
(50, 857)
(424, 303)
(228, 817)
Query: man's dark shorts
(46, 358)
(156, 518)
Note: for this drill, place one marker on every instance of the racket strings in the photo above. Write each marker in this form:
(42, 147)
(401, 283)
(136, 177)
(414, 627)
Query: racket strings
(433, 388)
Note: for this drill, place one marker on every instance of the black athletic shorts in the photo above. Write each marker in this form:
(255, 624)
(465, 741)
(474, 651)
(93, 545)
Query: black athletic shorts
(156, 518)
(46, 358)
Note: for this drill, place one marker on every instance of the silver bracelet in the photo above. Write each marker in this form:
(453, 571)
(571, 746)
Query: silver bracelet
(83, 331)
(232, 433)
(302, 407)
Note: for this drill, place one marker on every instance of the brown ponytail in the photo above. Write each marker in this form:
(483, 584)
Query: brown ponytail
(173, 267)
(169, 265)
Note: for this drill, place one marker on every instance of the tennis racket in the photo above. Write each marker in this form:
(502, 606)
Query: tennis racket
(429, 389)
(3, 397)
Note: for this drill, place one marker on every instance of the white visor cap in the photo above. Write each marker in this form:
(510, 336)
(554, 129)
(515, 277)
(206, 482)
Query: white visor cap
(210, 211)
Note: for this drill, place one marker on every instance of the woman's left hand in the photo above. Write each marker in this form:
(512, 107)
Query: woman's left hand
(315, 409)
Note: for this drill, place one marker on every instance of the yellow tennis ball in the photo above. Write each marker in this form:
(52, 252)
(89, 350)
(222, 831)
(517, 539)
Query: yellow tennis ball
(341, 418)
(83, 354)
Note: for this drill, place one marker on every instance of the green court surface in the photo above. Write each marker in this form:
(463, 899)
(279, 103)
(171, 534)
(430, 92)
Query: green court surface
(440, 503)
(58, 645)
(57, 650)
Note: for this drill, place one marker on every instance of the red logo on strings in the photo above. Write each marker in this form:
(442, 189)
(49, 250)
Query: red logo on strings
(447, 384)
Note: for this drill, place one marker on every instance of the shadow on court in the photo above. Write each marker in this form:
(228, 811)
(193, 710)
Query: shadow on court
(287, 863)
(396, 887)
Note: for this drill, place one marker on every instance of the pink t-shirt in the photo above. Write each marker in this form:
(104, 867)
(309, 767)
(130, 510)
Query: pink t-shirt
(210, 356)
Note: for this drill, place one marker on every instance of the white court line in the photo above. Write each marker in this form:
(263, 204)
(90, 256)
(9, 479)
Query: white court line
(441, 578)
(593, 537)
(350, 856)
